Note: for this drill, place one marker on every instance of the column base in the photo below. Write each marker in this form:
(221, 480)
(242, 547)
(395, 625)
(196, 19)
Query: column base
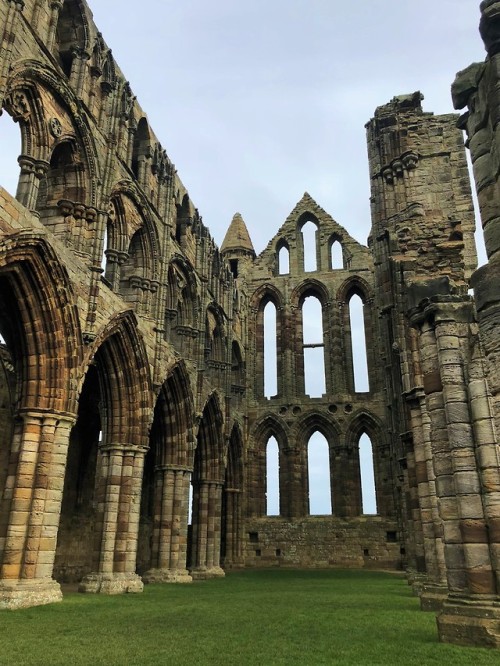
(26, 593)
(118, 583)
(204, 573)
(470, 621)
(417, 582)
(433, 596)
(167, 576)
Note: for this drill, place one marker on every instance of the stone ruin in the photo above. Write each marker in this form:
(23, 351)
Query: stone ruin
(132, 351)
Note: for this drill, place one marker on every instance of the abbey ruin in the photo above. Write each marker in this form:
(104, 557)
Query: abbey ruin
(132, 349)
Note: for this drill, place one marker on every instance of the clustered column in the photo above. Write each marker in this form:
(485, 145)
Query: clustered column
(170, 525)
(34, 491)
(207, 504)
(118, 498)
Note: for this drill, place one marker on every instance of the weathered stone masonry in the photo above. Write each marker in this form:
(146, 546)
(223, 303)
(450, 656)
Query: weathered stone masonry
(132, 349)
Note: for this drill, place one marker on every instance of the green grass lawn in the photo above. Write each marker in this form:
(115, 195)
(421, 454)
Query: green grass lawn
(252, 617)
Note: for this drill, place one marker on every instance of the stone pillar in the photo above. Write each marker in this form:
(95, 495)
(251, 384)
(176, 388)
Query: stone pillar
(55, 6)
(118, 497)
(294, 497)
(11, 15)
(432, 589)
(34, 492)
(234, 529)
(170, 526)
(207, 504)
(32, 172)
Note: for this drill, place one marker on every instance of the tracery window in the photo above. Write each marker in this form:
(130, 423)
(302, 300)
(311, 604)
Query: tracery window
(313, 347)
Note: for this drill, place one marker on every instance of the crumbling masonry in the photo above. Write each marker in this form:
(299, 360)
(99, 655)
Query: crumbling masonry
(132, 349)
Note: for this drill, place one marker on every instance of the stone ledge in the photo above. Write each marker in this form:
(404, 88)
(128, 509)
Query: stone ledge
(167, 576)
(471, 622)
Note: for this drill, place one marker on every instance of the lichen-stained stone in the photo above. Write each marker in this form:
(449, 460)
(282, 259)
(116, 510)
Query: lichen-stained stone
(133, 349)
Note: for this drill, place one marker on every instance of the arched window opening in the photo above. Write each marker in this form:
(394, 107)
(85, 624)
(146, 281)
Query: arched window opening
(368, 495)
(313, 347)
(309, 232)
(270, 351)
(272, 478)
(70, 34)
(141, 149)
(284, 261)
(104, 249)
(318, 462)
(11, 149)
(64, 178)
(237, 366)
(358, 344)
(336, 255)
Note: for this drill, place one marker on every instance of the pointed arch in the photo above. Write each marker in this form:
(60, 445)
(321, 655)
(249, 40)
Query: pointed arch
(232, 501)
(32, 74)
(268, 350)
(360, 362)
(42, 326)
(270, 425)
(366, 423)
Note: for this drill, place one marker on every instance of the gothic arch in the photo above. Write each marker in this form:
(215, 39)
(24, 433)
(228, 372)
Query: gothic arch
(34, 74)
(310, 287)
(120, 356)
(43, 323)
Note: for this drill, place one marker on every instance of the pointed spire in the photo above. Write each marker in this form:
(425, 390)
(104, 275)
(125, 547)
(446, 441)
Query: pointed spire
(237, 237)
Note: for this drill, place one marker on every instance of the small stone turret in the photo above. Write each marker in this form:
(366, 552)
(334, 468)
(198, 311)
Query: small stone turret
(237, 247)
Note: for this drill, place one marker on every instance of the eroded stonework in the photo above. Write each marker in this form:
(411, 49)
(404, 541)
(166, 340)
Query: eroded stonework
(132, 352)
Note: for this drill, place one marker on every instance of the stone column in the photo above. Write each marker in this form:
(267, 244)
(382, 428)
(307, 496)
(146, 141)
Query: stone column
(11, 14)
(207, 503)
(118, 497)
(432, 589)
(294, 499)
(55, 6)
(34, 492)
(234, 529)
(32, 172)
(170, 526)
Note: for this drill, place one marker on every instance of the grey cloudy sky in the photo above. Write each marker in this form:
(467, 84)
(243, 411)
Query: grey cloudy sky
(256, 102)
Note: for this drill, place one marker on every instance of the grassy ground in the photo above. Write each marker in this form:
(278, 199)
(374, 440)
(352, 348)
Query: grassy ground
(253, 617)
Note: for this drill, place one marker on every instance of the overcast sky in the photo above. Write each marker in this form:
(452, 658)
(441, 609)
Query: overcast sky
(257, 102)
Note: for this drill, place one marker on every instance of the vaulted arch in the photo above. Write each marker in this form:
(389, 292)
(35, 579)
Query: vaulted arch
(165, 490)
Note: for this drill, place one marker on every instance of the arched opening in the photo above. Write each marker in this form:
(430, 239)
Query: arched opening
(75, 541)
(163, 527)
(318, 463)
(358, 344)
(284, 260)
(272, 477)
(309, 242)
(313, 347)
(368, 494)
(70, 34)
(8, 392)
(336, 255)
(237, 367)
(10, 137)
(208, 476)
(141, 150)
(232, 517)
(270, 342)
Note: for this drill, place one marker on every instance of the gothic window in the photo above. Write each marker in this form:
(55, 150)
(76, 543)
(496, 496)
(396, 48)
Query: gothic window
(283, 260)
(336, 255)
(272, 478)
(313, 347)
(270, 351)
(318, 463)
(70, 34)
(309, 238)
(11, 149)
(358, 344)
(141, 150)
(368, 495)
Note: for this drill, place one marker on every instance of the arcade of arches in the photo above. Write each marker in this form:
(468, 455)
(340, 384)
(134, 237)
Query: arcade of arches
(170, 410)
